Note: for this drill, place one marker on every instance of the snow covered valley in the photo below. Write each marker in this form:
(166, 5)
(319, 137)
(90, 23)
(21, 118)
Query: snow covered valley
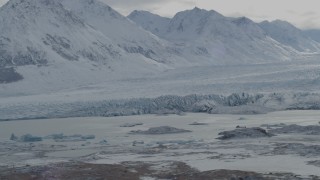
(285, 155)
(87, 93)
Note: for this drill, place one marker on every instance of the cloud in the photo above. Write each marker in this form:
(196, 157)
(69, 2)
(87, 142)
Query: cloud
(309, 13)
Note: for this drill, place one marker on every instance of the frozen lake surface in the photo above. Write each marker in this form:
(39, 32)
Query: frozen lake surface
(199, 149)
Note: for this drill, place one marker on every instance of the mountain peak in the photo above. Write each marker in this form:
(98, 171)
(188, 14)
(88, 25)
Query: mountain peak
(196, 9)
(92, 7)
(243, 21)
(279, 23)
(137, 13)
(27, 4)
(288, 34)
(150, 22)
(284, 24)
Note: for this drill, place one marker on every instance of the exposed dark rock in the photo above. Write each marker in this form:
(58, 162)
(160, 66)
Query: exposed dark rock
(161, 130)
(63, 138)
(8, 75)
(139, 50)
(13, 137)
(273, 125)
(131, 124)
(198, 124)
(314, 163)
(60, 45)
(238, 133)
(30, 138)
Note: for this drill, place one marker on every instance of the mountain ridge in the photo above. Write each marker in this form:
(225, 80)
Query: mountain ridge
(221, 39)
(258, 30)
(48, 46)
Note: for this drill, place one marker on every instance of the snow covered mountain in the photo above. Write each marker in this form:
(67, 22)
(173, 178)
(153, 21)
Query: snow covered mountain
(74, 29)
(151, 22)
(289, 35)
(49, 46)
(213, 37)
(126, 34)
(314, 34)
(59, 44)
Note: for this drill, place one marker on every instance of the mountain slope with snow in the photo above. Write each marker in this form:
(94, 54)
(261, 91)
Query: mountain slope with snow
(210, 36)
(119, 29)
(289, 35)
(47, 46)
(151, 22)
(63, 45)
(314, 34)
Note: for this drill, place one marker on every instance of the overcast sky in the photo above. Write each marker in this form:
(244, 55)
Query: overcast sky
(302, 13)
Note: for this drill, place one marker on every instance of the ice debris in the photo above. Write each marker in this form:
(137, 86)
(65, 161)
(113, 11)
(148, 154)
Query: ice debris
(103, 142)
(56, 137)
(269, 126)
(238, 133)
(198, 124)
(135, 143)
(29, 138)
(13, 137)
(307, 130)
(314, 163)
(161, 130)
(297, 148)
(131, 124)
(63, 138)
